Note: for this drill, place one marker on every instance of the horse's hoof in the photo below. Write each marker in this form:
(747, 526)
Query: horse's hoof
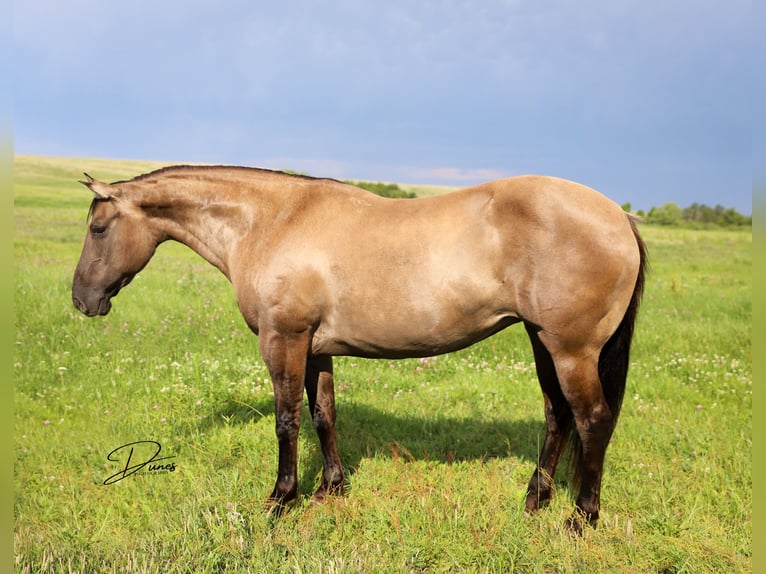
(535, 502)
(324, 491)
(275, 504)
(575, 524)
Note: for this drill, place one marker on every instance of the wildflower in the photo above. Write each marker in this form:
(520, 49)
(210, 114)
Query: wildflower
(46, 422)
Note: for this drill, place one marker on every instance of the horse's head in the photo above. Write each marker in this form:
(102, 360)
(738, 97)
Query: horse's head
(119, 243)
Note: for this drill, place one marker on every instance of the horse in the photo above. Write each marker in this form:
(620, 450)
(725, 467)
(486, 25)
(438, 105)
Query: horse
(322, 268)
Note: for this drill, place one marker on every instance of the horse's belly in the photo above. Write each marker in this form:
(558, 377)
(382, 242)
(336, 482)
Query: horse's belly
(407, 334)
(422, 298)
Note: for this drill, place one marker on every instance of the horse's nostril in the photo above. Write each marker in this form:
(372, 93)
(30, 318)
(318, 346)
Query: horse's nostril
(78, 305)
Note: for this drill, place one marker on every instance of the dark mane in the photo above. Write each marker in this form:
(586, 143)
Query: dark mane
(180, 169)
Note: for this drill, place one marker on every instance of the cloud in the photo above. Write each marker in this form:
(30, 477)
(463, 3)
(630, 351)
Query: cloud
(435, 91)
(453, 175)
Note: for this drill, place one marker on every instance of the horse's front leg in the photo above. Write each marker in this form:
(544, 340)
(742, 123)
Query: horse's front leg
(285, 356)
(321, 393)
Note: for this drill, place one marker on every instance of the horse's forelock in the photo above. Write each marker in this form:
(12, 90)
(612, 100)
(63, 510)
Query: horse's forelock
(92, 207)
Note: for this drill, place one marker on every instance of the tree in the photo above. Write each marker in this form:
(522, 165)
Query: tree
(668, 214)
(697, 215)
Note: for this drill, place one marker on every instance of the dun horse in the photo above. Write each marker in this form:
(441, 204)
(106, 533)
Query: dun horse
(321, 268)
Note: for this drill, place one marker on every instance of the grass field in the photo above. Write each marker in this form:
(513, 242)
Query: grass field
(438, 452)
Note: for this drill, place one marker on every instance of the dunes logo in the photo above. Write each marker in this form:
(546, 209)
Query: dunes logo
(135, 457)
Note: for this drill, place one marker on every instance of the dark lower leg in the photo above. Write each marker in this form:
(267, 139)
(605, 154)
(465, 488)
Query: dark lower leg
(321, 393)
(595, 433)
(287, 427)
(558, 418)
(286, 360)
(540, 487)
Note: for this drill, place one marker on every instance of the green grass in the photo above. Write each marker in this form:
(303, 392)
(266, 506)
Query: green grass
(438, 452)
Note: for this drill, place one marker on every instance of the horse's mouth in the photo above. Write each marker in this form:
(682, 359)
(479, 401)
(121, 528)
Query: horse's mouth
(103, 304)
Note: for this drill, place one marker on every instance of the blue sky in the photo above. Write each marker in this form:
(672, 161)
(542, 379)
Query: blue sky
(648, 102)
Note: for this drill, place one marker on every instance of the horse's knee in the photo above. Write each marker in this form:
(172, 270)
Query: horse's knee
(322, 425)
(287, 426)
(324, 418)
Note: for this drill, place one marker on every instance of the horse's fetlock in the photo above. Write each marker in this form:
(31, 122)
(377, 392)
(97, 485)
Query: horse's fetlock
(285, 490)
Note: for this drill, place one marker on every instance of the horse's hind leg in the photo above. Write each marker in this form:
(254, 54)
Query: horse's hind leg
(558, 419)
(593, 419)
(321, 394)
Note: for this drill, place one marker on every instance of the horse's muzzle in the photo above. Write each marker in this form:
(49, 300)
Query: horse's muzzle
(101, 308)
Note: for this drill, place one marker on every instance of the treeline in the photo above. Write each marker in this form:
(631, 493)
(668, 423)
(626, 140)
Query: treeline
(383, 189)
(377, 187)
(695, 216)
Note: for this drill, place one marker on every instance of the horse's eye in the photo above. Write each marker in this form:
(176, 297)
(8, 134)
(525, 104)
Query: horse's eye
(97, 230)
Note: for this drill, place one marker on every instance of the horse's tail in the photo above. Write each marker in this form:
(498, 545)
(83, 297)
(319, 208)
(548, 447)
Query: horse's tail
(614, 360)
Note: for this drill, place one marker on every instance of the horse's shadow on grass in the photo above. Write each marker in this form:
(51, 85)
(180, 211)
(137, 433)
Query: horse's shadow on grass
(366, 432)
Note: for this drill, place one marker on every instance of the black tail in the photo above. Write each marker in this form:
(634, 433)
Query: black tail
(614, 360)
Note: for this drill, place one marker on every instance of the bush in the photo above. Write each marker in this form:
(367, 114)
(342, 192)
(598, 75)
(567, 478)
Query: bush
(697, 216)
(383, 189)
(668, 214)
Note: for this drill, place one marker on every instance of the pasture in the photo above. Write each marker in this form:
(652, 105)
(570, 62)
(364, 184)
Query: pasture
(438, 451)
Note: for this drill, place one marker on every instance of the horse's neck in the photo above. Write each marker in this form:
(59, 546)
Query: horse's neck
(206, 218)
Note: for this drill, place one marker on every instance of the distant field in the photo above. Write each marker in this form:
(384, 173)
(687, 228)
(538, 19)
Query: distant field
(438, 452)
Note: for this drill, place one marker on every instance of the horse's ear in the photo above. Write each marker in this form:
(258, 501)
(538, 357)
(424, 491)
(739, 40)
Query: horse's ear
(99, 188)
